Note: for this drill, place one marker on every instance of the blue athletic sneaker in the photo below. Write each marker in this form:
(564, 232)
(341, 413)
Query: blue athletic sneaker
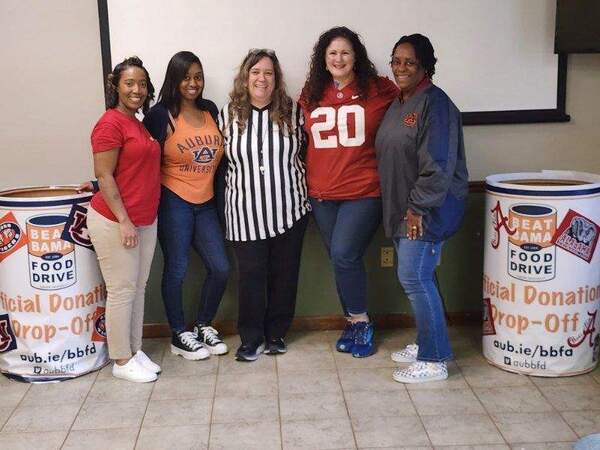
(346, 341)
(364, 339)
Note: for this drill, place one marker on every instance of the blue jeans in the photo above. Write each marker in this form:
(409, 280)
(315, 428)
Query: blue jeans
(347, 227)
(416, 265)
(182, 225)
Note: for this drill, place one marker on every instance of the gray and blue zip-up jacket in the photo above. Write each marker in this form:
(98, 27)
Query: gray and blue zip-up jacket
(421, 164)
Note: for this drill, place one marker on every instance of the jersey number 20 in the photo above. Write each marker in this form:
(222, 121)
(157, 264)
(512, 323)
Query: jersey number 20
(341, 117)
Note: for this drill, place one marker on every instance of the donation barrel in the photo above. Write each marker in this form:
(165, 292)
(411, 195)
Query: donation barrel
(52, 295)
(541, 277)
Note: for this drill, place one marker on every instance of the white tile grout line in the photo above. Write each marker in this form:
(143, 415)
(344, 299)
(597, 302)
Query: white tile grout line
(278, 400)
(164, 353)
(148, 401)
(81, 406)
(554, 408)
(419, 416)
(337, 371)
(214, 397)
(17, 405)
(483, 406)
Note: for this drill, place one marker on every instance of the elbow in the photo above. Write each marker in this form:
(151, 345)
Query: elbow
(103, 177)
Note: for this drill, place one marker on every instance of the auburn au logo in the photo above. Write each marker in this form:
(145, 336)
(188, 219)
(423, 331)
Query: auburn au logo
(7, 336)
(11, 236)
(205, 155)
(99, 332)
(410, 120)
(10, 233)
(76, 230)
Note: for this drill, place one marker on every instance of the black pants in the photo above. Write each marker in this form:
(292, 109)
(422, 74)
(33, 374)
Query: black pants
(268, 282)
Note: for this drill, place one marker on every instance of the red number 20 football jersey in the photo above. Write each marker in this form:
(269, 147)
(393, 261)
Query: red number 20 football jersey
(341, 131)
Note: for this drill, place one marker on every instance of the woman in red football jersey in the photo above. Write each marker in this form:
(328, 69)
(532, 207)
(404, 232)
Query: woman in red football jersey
(344, 101)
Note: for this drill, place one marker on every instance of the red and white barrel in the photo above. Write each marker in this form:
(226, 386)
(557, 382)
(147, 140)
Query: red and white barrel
(541, 276)
(52, 296)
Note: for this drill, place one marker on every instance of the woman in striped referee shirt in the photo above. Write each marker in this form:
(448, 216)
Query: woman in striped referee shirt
(266, 206)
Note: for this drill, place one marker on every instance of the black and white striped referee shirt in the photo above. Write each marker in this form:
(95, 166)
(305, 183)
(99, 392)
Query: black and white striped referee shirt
(266, 178)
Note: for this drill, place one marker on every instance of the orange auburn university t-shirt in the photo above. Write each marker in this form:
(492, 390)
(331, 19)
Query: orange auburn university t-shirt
(190, 159)
(137, 173)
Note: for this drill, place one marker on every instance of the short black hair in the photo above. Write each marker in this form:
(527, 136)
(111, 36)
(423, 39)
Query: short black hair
(423, 51)
(113, 78)
(177, 69)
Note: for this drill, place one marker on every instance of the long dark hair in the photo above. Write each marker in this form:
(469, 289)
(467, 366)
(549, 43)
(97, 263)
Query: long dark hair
(280, 110)
(113, 78)
(423, 51)
(319, 77)
(177, 69)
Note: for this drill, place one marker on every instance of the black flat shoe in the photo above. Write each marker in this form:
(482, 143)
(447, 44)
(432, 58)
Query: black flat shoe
(275, 347)
(249, 352)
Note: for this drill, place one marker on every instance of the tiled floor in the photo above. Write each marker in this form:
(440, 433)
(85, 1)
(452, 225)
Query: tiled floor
(310, 398)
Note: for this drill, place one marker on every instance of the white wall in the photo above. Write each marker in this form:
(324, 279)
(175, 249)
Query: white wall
(51, 92)
(472, 48)
(573, 145)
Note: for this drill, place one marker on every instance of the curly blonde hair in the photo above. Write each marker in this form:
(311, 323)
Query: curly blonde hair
(280, 110)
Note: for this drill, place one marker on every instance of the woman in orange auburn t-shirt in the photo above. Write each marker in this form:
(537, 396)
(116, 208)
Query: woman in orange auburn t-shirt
(192, 148)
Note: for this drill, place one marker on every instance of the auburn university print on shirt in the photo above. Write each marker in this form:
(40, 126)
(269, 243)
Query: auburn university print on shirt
(190, 159)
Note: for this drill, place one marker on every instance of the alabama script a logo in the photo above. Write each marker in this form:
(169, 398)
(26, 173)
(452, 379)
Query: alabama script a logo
(499, 222)
(589, 329)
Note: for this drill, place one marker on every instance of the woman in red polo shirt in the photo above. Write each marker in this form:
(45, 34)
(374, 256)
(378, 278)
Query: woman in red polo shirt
(122, 216)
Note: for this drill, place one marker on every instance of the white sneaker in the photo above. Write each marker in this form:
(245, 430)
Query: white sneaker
(186, 344)
(133, 371)
(146, 362)
(407, 355)
(422, 372)
(211, 339)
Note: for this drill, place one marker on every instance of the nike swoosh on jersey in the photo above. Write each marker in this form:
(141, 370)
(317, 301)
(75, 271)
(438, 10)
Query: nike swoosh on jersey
(354, 97)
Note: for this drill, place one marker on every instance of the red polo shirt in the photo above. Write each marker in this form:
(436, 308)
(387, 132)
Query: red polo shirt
(138, 169)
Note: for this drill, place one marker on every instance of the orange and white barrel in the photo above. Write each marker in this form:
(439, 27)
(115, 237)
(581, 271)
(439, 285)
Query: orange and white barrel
(541, 275)
(52, 296)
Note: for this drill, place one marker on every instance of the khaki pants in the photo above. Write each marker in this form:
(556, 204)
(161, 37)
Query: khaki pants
(125, 272)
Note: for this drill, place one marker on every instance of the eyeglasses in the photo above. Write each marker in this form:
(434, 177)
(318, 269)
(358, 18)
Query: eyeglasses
(409, 63)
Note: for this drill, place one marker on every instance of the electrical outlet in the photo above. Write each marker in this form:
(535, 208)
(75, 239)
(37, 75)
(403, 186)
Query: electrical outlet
(387, 256)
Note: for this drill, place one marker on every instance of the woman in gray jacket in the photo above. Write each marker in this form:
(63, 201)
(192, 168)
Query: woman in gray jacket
(423, 175)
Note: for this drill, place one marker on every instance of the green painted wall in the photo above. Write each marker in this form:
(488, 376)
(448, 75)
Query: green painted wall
(459, 274)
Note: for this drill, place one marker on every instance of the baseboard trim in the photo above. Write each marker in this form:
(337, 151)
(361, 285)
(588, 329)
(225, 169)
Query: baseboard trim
(333, 322)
